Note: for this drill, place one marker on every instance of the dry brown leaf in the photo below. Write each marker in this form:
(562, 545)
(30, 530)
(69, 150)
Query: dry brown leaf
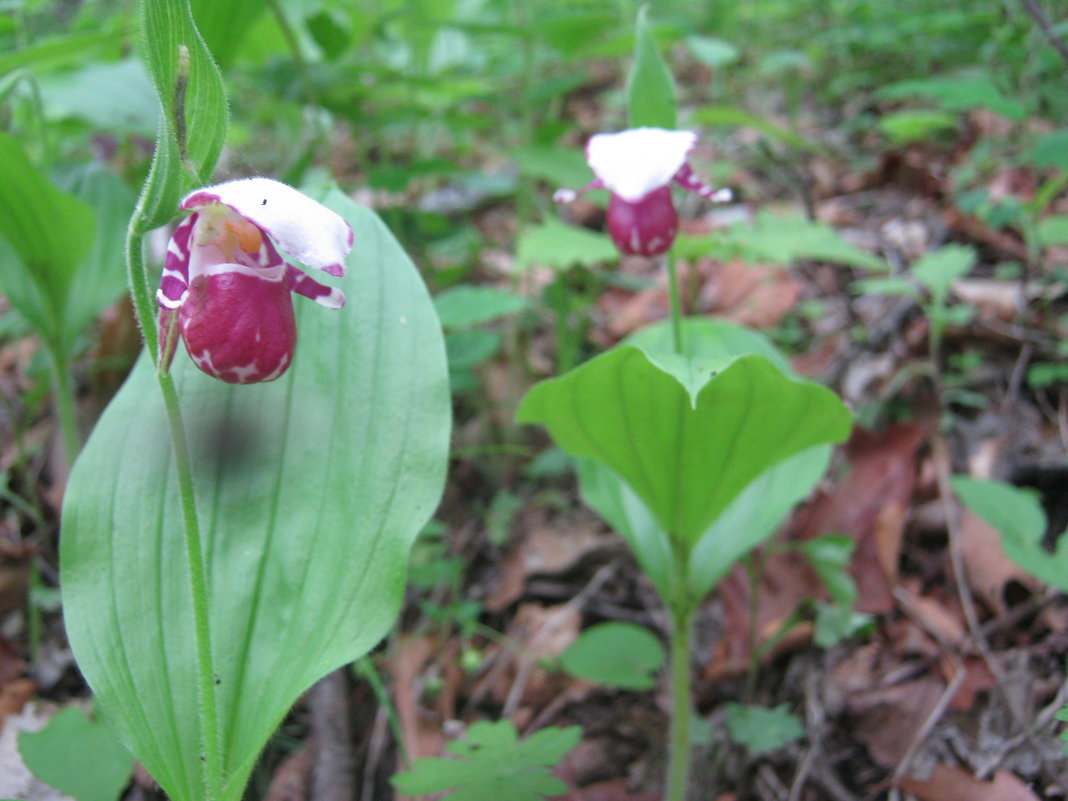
(950, 783)
(422, 729)
(989, 569)
(546, 547)
(888, 719)
(754, 295)
(787, 579)
(537, 633)
(869, 506)
(292, 778)
(13, 696)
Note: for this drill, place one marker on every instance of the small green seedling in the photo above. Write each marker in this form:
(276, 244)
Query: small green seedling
(492, 764)
(618, 654)
(462, 310)
(1018, 517)
(78, 756)
(762, 730)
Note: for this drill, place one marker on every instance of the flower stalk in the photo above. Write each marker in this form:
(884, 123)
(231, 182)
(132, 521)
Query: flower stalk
(680, 733)
(211, 747)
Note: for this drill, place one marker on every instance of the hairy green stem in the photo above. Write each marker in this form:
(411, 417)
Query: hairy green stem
(211, 745)
(678, 773)
(676, 302)
(64, 399)
(140, 290)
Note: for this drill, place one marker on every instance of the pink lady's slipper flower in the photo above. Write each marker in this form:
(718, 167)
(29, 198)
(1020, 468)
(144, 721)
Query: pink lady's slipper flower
(226, 286)
(638, 167)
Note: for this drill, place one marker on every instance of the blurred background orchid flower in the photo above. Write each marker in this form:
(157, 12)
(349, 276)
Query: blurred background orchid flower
(638, 167)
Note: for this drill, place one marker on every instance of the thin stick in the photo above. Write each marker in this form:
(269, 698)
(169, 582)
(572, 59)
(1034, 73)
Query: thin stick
(1039, 16)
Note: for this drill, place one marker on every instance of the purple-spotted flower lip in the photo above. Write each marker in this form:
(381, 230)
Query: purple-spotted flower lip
(304, 229)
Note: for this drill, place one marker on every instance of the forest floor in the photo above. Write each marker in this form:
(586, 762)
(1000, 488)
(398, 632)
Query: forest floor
(952, 692)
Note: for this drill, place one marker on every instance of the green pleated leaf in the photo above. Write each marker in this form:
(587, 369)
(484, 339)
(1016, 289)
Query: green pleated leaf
(47, 232)
(687, 456)
(193, 120)
(650, 87)
(310, 492)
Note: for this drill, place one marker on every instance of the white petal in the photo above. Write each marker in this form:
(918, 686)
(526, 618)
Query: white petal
(306, 230)
(634, 163)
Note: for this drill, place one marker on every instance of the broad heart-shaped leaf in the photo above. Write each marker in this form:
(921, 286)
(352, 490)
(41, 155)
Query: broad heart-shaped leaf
(751, 517)
(650, 87)
(310, 490)
(47, 232)
(756, 513)
(1018, 516)
(687, 456)
(81, 757)
(170, 35)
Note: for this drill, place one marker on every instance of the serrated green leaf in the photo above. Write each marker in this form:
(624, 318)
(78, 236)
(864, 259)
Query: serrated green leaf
(178, 167)
(1018, 517)
(466, 305)
(785, 239)
(554, 244)
(616, 653)
(761, 729)
(48, 232)
(650, 87)
(310, 492)
(78, 756)
(938, 269)
(686, 455)
(491, 764)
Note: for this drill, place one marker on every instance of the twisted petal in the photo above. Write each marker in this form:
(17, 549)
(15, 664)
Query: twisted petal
(303, 228)
(634, 163)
